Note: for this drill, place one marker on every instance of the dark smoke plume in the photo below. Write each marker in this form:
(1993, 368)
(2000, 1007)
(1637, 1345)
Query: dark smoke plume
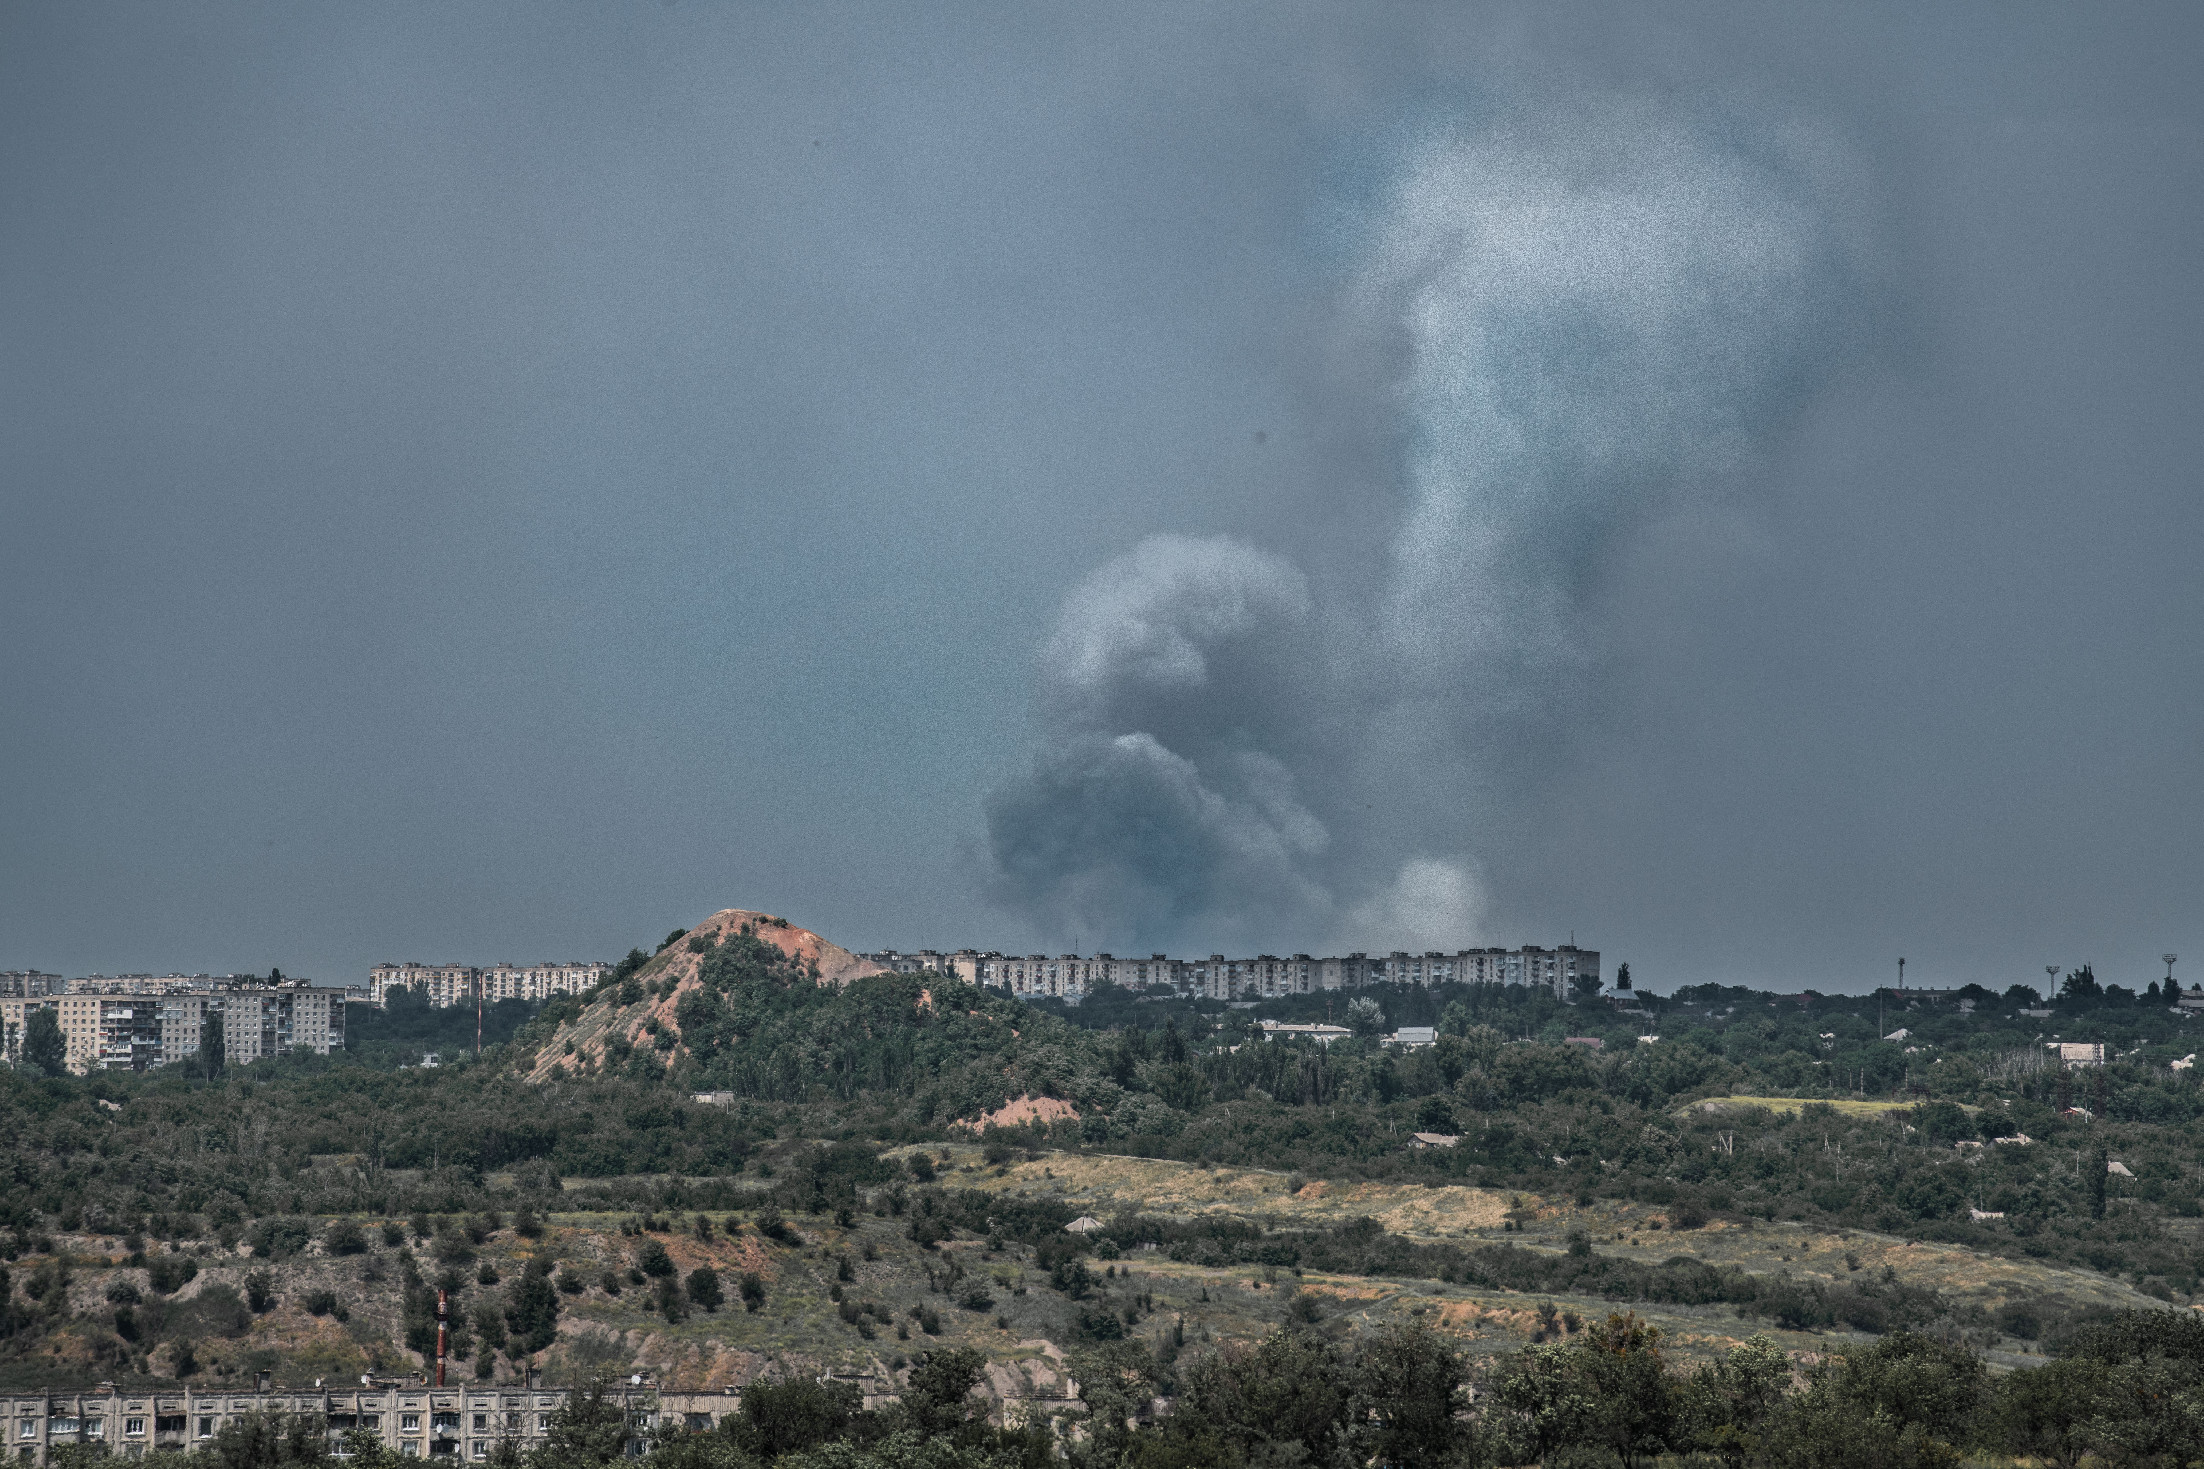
(1593, 321)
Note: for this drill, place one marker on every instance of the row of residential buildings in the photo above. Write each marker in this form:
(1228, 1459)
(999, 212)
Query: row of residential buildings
(414, 1421)
(30, 983)
(464, 984)
(1072, 977)
(122, 1031)
(16, 984)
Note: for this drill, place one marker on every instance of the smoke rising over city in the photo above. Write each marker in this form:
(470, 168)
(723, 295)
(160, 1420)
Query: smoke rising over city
(1595, 311)
(1719, 480)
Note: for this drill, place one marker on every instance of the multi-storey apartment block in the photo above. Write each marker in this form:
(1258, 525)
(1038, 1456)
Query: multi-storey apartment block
(1266, 976)
(541, 981)
(157, 984)
(15, 1012)
(100, 1032)
(135, 1032)
(444, 984)
(453, 1423)
(25, 984)
(268, 1022)
(183, 1020)
(463, 984)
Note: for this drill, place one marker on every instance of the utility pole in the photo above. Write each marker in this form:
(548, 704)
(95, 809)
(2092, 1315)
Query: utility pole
(478, 1020)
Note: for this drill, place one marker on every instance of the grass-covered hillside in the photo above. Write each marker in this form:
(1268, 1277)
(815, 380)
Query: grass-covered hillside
(727, 1163)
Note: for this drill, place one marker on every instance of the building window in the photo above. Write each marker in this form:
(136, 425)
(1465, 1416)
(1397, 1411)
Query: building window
(371, 1420)
(481, 1422)
(133, 1427)
(543, 1423)
(29, 1429)
(480, 1449)
(206, 1428)
(409, 1422)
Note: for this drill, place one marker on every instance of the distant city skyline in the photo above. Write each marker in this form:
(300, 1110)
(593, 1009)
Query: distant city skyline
(505, 980)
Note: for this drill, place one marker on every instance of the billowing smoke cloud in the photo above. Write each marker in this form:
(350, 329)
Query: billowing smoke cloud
(1157, 803)
(1429, 904)
(1591, 322)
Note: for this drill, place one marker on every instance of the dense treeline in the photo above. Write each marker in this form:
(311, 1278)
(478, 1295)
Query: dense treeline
(896, 1058)
(1605, 1394)
(408, 1028)
(822, 1078)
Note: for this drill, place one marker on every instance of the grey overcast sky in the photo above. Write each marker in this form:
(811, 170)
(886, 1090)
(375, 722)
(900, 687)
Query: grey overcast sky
(496, 482)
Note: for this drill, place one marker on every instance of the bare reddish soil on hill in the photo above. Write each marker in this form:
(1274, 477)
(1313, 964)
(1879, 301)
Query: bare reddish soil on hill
(606, 1017)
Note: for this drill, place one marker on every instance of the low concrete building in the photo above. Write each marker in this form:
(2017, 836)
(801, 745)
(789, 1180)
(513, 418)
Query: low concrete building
(1323, 1035)
(410, 1418)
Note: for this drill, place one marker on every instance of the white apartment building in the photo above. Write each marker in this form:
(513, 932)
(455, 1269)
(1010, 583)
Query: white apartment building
(136, 1032)
(156, 984)
(183, 1019)
(411, 1418)
(268, 1022)
(1266, 976)
(100, 1032)
(541, 981)
(462, 984)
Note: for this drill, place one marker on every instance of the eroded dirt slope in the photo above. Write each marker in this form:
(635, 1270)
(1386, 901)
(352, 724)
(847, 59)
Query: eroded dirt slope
(672, 973)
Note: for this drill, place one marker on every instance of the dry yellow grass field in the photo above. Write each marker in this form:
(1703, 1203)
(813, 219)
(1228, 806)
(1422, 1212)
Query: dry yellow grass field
(1104, 1185)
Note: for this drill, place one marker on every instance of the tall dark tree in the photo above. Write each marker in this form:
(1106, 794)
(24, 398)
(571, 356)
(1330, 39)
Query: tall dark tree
(938, 1397)
(786, 1415)
(267, 1441)
(1406, 1387)
(45, 1049)
(589, 1431)
(533, 1316)
(213, 1045)
(1283, 1401)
